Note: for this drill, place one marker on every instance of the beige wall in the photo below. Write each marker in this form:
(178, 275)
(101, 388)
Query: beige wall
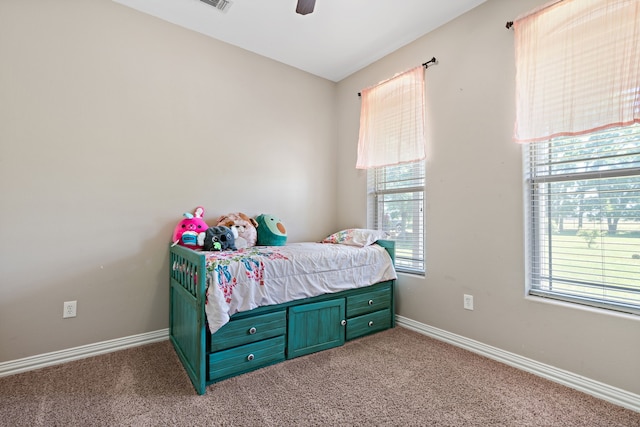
(474, 208)
(112, 124)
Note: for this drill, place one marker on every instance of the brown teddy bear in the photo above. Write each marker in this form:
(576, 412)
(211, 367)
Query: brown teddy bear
(243, 228)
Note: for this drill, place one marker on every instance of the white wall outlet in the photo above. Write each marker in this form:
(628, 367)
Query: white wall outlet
(69, 309)
(468, 302)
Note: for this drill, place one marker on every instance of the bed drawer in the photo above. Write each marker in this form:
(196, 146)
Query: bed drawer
(368, 323)
(369, 302)
(248, 330)
(245, 358)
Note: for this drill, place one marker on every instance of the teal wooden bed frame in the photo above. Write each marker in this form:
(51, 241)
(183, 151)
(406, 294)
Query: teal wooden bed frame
(270, 334)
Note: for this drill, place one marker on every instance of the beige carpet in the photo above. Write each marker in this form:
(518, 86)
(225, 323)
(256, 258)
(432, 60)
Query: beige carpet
(397, 377)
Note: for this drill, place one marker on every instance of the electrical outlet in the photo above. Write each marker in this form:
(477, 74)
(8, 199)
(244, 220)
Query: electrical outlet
(468, 302)
(69, 309)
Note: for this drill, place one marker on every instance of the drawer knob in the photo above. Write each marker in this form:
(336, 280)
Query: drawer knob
(370, 302)
(250, 357)
(252, 331)
(343, 322)
(371, 323)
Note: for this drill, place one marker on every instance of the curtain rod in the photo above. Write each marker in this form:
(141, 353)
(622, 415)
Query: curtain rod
(425, 65)
(431, 61)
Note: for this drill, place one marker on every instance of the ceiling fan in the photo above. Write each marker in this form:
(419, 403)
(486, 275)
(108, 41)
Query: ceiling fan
(305, 6)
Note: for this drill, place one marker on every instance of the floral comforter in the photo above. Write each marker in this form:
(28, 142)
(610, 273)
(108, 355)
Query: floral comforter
(265, 275)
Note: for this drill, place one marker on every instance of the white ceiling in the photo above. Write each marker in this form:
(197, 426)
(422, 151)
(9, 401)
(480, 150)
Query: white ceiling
(339, 38)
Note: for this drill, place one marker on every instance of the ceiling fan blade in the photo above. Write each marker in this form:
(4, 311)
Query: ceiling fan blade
(305, 6)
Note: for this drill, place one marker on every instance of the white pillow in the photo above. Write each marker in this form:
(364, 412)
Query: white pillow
(356, 237)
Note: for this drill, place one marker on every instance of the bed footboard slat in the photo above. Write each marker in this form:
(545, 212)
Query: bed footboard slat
(187, 325)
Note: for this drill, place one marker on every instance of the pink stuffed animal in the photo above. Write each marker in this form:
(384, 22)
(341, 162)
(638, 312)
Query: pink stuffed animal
(243, 228)
(191, 230)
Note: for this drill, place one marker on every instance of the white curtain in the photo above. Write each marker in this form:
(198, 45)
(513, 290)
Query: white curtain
(392, 123)
(577, 68)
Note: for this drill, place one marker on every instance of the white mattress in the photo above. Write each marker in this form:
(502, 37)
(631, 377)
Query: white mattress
(265, 275)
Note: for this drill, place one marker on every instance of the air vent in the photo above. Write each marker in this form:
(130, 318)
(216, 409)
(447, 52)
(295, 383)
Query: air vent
(221, 5)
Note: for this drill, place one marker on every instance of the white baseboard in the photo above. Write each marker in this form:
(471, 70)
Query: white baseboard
(57, 357)
(594, 388)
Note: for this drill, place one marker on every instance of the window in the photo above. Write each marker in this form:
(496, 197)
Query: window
(391, 146)
(396, 205)
(581, 127)
(584, 217)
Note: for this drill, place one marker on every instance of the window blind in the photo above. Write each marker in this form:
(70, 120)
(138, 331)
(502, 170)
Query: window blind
(584, 208)
(396, 205)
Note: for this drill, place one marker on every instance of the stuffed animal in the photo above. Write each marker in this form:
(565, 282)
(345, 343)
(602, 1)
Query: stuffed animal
(191, 230)
(271, 232)
(243, 227)
(219, 238)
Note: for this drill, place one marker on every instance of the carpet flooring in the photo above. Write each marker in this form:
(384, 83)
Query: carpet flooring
(394, 378)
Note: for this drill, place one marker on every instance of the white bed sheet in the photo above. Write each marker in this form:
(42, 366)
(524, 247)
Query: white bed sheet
(265, 275)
